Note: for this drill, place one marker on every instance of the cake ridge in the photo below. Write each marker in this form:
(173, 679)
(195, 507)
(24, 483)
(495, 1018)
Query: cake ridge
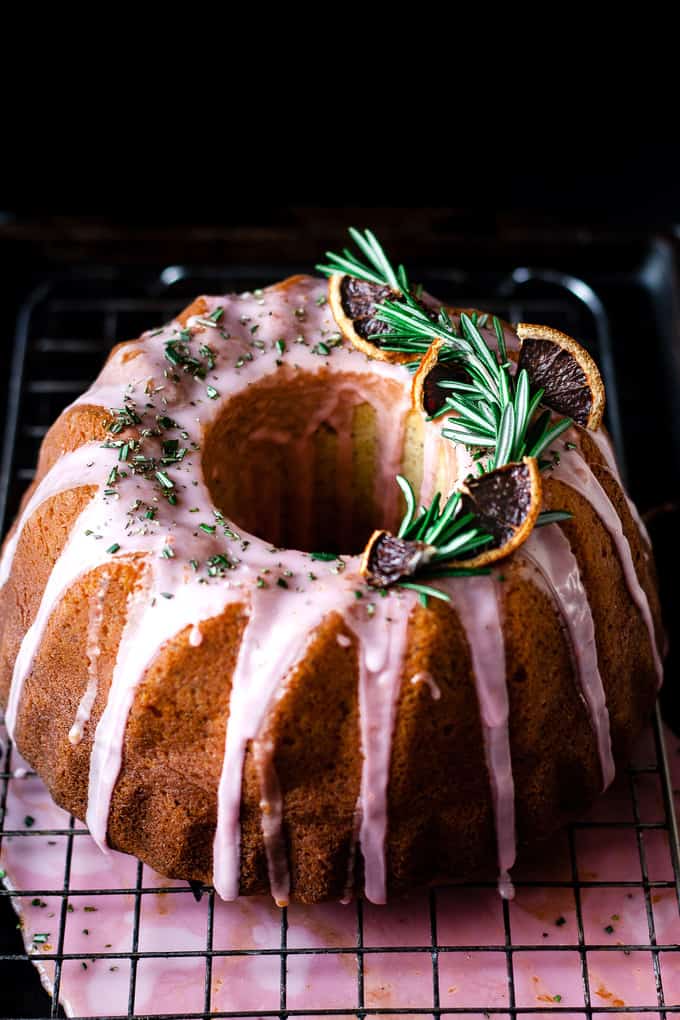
(552, 556)
(479, 612)
(582, 478)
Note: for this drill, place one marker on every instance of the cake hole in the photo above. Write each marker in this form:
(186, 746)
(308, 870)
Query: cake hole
(300, 461)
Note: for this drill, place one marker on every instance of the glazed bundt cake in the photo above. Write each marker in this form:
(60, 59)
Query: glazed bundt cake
(199, 661)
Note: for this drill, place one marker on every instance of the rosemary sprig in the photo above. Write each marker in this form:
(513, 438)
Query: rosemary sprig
(446, 533)
(377, 269)
(432, 542)
(493, 409)
(552, 517)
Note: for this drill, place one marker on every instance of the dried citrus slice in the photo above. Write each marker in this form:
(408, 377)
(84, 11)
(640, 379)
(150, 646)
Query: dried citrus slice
(426, 393)
(387, 558)
(506, 503)
(570, 379)
(353, 303)
(499, 510)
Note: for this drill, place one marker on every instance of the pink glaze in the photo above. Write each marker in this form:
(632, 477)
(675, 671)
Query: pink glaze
(382, 643)
(549, 550)
(68, 568)
(71, 471)
(93, 651)
(423, 677)
(604, 445)
(573, 470)
(475, 600)
(276, 637)
(271, 805)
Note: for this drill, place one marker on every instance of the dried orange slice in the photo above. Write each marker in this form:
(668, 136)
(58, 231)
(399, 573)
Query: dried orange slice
(497, 513)
(353, 303)
(570, 379)
(506, 503)
(388, 558)
(426, 393)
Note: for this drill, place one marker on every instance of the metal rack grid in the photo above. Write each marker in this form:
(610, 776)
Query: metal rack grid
(64, 331)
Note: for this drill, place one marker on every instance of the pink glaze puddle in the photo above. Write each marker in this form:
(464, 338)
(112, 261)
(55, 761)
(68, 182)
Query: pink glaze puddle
(548, 977)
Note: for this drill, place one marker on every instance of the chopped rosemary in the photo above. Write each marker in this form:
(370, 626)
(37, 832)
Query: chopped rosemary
(165, 422)
(113, 548)
(165, 481)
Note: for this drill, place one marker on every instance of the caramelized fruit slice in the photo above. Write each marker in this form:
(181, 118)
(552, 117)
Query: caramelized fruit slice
(506, 503)
(570, 379)
(353, 303)
(387, 558)
(426, 393)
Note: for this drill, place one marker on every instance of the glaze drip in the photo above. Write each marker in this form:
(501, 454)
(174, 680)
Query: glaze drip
(93, 651)
(573, 469)
(476, 601)
(549, 550)
(277, 635)
(422, 677)
(604, 445)
(382, 644)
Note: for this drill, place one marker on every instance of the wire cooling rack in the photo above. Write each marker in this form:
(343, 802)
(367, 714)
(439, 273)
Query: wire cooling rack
(64, 331)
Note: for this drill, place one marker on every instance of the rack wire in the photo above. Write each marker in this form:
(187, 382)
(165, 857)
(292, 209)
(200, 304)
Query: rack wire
(63, 333)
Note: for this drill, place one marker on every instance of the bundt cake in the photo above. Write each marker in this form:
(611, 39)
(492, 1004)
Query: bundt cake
(199, 662)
